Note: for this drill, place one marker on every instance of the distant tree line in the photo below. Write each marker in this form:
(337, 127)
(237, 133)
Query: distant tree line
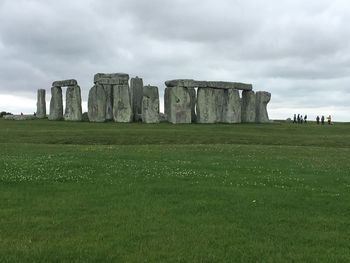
(3, 113)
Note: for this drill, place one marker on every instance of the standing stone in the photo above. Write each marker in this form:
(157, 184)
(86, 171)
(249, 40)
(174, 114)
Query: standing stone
(193, 97)
(150, 105)
(210, 105)
(166, 103)
(136, 89)
(73, 110)
(122, 111)
(97, 104)
(232, 110)
(56, 104)
(41, 104)
(109, 101)
(262, 99)
(178, 105)
(248, 106)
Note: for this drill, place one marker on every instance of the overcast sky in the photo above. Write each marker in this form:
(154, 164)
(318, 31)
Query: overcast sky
(296, 49)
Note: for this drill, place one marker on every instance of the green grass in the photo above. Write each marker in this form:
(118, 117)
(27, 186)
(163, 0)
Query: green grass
(81, 192)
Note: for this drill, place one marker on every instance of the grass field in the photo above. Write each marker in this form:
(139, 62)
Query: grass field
(84, 192)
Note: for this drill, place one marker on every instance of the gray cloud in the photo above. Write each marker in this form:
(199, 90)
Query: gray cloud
(298, 50)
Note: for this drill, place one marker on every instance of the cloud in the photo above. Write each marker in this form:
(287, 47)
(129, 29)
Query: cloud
(297, 50)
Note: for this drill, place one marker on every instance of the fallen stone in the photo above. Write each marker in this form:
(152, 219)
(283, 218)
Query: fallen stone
(73, 110)
(150, 104)
(232, 107)
(56, 104)
(122, 111)
(248, 106)
(41, 104)
(136, 92)
(19, 117)
(65, 83)
(97, 104)
(178, 105)
(262, 99)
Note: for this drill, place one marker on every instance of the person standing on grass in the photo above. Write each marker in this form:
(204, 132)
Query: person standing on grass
(298, 118)
(329, 119)
(322, 119)
(318, 119)
(305, 118)
(295, 118)
(301, 119)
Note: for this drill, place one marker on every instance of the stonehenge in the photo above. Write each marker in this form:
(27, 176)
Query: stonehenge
(122, 111)
(136, 90)
(56, 104)
(150, 105)
(178, 105)
(232, 111)
(97, 104)
(185, 101)
(41, 104)
(217, 102)
(73, 111)
(262, 99)
(248, 106)
(190, 83)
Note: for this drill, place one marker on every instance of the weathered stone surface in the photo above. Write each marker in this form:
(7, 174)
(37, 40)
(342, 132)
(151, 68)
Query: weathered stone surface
(19, 117)
(248, 106)
(232, 107)
(73, 110)
(218, 105)
(41, 104)
(112, 78)
(150, 104)
(56, 104)
(136, 90)
(193, 96)
(178, 105)
(210, 105)
(97, 104)
(109, 101)
(262, 99)
(122, 111)
(166, 103)
(65, 83)
(115, 81)
(180, 83)
(208, 84)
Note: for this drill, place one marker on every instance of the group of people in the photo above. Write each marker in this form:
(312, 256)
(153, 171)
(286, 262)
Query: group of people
(329, 120)
(300, 119)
